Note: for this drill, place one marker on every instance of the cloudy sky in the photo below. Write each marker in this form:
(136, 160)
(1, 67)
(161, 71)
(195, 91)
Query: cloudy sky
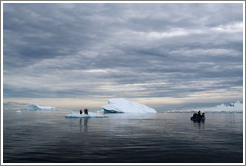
(169, 53)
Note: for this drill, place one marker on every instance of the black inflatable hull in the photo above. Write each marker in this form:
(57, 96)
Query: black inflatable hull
(197, 118)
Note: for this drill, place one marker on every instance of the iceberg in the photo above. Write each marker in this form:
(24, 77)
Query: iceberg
(90, 115)
(120, 105)
(236, 107)
(36, 107)
(233, 107)
(18, 111)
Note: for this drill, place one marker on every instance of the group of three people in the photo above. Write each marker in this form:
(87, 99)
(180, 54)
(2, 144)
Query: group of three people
(198, 114)
(85, 111)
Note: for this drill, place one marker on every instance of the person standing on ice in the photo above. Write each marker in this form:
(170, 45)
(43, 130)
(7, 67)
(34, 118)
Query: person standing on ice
(80, 111)
(86, 111)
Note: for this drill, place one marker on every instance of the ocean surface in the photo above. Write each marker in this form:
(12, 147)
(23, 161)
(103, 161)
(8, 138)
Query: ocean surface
(49, 137)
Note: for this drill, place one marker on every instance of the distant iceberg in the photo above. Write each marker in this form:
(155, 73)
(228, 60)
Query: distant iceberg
(18, 111)
(231, 108)
(36, 107)
(120, 105)
(90, 115)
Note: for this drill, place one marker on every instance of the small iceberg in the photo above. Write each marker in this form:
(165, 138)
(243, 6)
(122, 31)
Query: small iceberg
(36, 107)
(90, 115)
(120, 105)
(18, 111)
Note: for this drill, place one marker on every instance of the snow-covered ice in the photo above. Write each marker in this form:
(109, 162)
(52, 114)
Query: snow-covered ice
(18, 111)
(233, 107)
(90, 115)
(36, 107)
(120, 105)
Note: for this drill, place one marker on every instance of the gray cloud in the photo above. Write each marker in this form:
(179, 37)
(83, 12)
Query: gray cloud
(122, 50)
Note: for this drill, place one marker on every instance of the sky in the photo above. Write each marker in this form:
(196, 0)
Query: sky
(169, 53)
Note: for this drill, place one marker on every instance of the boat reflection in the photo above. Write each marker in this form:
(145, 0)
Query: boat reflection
(200, 124)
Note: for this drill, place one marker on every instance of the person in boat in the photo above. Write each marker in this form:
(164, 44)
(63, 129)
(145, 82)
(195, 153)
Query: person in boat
(198, 114)
(86, 111)
(195, 115)
(80, 111)
(203, 114)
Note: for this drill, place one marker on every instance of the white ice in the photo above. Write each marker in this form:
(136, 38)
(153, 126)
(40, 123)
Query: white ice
(18, 111)
(120, 105)
(233, 107)
(36, 107)
(90, 115)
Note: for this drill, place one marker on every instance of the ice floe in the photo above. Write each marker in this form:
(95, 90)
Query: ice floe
(18, 111)
(90, 115)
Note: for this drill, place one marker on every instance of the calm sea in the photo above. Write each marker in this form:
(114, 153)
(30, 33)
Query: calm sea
(49, 137)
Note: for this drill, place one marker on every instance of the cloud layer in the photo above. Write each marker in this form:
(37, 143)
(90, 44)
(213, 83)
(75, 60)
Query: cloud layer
(123, 50)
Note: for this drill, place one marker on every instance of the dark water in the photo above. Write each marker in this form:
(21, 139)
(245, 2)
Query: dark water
(49, 137)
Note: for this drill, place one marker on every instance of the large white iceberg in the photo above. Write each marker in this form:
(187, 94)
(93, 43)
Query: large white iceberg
(90, 115)
(36, 107)
(120, 105)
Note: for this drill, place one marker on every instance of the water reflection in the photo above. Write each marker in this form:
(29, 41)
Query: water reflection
(71, 124)
(84, 126)
(200, 124)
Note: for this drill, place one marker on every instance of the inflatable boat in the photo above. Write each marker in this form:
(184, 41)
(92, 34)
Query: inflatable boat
(199, 118)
